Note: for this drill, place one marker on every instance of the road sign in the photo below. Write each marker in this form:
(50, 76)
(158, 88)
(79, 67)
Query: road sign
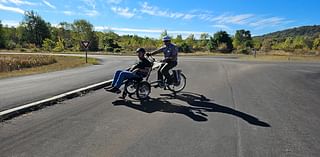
(85, 44)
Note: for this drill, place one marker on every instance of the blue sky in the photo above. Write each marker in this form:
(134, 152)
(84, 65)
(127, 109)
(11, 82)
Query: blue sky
(151, 17)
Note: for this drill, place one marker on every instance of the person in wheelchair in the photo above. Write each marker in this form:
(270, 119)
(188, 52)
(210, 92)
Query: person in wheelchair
(137, 71)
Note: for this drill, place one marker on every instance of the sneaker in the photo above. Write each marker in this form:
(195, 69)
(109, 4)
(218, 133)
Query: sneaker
(107, 88)
(114, 90)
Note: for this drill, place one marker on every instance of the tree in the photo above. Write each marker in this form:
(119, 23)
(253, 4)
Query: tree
(257, 44)
(316, 44)
(212, 44)
(83, 30)
(2, 40)
(242, 41)
(163, 34)
(48, 44)
(204, 39)
(185, 48)
(190, 41)
(222, 37)
(36, 29)
(59, 45)
(299, 42)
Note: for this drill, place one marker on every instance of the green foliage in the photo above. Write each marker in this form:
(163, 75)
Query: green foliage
(34, 32)
(36, 29)
(242, 41)
(212, 44)
(316, 44)
(185, 48)
(222, 42)
(48, 44)
(306, 31)
(10, 45)
(2, 40)
(190, 41)
(59, 46)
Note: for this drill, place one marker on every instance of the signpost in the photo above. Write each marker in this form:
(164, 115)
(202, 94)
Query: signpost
(86, 45)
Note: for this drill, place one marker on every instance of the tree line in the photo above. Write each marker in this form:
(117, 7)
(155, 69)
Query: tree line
(38, 35)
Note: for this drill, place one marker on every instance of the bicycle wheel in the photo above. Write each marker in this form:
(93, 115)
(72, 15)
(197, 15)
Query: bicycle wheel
(143, 90)
(178, 86)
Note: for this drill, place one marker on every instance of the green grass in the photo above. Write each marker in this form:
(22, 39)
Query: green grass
(62, 63)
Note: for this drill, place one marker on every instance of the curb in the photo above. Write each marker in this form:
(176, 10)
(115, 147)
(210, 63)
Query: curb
(14, 112)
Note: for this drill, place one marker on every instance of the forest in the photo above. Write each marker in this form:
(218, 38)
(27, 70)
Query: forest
(36, 35)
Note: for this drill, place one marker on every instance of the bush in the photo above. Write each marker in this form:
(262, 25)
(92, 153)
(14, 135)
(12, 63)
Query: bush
(244, 51)
(10, 45)
(117, 50)
(185, 48)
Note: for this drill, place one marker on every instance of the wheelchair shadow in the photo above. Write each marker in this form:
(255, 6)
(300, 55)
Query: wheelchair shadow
(199, 106)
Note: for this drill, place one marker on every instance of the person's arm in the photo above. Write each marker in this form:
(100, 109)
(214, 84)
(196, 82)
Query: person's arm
(157, 51)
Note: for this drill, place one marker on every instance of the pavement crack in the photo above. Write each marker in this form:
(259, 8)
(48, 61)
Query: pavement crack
(239, 142)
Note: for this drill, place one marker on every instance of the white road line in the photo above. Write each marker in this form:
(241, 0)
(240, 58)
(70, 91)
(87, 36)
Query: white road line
(4, 114)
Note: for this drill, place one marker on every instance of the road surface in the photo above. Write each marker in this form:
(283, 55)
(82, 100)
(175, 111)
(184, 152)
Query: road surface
(229, 108)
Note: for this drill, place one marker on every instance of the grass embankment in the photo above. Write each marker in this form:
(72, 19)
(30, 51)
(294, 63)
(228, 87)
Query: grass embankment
(20, 65)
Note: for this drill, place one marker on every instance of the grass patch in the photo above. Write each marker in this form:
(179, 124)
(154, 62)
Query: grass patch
(61, 63)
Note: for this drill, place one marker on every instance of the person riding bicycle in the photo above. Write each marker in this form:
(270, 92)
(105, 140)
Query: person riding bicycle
(139, 70)
(170, 60)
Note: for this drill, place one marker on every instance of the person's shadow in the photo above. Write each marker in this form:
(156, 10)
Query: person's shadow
(199, 105)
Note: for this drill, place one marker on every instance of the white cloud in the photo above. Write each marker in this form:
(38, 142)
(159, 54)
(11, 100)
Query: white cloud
(142, 30)
(12, 9)
(233, 19)
(49, 4)
(69, 13)
(91, 13)
(155, 11)
(114, 1)
(123, 12)
(272, 21)
(18, 2)
(10, 23)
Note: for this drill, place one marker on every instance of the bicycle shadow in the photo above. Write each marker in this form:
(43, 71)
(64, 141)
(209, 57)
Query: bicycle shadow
(199, 105)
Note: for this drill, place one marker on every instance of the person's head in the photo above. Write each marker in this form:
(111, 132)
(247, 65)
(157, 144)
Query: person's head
(140, 52)
(166, 40)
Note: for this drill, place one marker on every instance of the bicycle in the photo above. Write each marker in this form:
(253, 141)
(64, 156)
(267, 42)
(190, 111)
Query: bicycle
(141, 87)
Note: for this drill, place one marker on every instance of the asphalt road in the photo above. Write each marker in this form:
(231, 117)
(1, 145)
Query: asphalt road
(228, 108)
(22, 90)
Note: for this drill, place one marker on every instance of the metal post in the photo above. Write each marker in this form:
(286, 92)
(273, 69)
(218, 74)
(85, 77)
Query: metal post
(86, 56)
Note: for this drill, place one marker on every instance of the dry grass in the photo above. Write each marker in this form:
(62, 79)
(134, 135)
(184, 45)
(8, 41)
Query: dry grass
(281, 58)
(10, 63)
(61, 63)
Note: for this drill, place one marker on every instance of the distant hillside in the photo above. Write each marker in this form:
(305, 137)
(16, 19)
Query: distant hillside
(308, 31)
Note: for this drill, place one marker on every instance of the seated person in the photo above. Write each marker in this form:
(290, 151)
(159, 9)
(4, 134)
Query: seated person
(139, 70)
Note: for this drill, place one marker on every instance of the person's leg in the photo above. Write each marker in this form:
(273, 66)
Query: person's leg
(115, 78)
(160, 76)
(165, 71)
(123, 76)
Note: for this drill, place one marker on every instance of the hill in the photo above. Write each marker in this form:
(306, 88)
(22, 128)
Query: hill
(307, 31)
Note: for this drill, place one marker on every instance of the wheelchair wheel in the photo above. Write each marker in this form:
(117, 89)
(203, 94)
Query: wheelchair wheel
(143, 90)
(130, 87)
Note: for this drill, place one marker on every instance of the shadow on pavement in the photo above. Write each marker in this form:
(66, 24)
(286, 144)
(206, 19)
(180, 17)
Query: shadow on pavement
(199, 105)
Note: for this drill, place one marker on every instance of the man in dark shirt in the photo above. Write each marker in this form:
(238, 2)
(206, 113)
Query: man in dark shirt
(139, 70)
(170, 52)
